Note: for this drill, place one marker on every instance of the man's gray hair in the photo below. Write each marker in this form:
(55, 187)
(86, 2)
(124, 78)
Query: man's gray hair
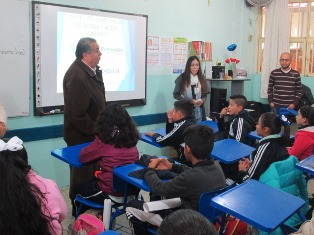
(83, 46)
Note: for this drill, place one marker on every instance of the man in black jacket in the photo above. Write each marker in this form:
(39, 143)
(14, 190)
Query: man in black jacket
(177, 120)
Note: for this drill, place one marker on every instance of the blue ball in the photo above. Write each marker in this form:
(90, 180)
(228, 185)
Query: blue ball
(232, 47)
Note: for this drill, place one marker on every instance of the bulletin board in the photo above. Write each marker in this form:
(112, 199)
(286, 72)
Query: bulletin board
(15, 57)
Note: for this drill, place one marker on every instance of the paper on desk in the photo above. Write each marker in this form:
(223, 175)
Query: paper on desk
(162, 204)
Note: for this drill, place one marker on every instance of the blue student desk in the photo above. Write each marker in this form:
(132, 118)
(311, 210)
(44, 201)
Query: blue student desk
(306, 165)
(162, 131)
(123, 173)
(258, 204)
(70, 154)
(253, 135)
(286, 111)
(229, 151)
(150, 140)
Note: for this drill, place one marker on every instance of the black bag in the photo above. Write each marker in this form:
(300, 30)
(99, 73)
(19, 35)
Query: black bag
(258, 109)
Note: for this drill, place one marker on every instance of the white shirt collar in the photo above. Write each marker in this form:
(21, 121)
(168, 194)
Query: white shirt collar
(286, 71)
(94, 69)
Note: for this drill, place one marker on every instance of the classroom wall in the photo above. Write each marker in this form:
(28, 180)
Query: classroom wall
(221, 22)
(252, 87)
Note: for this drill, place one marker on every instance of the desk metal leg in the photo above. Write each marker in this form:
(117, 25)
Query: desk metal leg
(287, 229)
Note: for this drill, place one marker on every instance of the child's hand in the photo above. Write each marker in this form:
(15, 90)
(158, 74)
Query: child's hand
(150, 133)
(164, 164)
(169, 116)
(244, 164)
(223, 112)
(153, 163)
(291, 106)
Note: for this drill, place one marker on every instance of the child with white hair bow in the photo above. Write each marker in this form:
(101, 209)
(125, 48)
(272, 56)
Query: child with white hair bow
(31, 204)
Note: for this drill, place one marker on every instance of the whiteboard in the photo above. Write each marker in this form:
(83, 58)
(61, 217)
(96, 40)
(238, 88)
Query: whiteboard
(15, 57)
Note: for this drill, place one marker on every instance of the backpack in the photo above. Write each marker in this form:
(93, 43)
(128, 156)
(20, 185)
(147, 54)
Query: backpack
(87, 224)
(258, 110)
(235, 226)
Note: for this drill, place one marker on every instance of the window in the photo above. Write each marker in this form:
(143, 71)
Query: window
(301, 39)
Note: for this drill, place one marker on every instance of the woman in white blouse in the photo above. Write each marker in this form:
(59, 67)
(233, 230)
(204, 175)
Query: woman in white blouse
(192, 85)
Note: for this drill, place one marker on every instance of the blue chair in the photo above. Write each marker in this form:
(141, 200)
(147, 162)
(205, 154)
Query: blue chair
(152, 231)
(81, 201)
(119, 185)
(109, 232)
(211, 213)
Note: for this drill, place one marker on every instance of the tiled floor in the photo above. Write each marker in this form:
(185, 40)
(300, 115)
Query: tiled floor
(122, 224)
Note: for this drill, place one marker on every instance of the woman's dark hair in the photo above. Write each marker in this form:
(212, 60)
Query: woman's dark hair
(186, 222)
(273, 122)
(21, 201)
(308, 113)
(115, 126)
(186, 76)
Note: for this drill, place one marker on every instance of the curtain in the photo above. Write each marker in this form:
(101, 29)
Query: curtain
(277, 39)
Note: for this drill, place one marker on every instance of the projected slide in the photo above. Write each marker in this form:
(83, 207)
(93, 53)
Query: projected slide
(112, 35)
(122, 41)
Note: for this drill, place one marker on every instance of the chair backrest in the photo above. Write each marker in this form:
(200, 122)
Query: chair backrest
(204, 203)
(284, 176)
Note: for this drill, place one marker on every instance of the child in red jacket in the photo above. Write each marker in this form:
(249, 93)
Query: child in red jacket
(304, 139)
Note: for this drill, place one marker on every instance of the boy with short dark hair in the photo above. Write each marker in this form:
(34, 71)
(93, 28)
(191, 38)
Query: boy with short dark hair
(238, 128)
(241, 123)
(205, 175)
(177, 120)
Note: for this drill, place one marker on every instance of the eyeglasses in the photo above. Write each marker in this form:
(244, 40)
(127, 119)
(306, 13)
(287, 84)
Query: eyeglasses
(284, 60)
(91, 51)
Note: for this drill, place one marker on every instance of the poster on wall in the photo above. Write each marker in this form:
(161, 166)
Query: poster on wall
(179, 54)
(153, 52)
(167, 52)
(14, 56)
(160, 51)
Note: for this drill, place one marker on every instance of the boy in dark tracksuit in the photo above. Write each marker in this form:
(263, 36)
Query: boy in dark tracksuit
(178, 120)
(238, 128)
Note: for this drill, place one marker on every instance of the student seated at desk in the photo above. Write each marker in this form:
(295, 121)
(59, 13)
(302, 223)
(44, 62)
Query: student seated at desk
(30, 204)
(205, 175)
(304, 139)
(177, 120)
(271, 148)
(241, 123)
(114, 145)
(238, 128)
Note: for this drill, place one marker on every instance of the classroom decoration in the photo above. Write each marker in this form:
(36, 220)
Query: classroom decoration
(203, 50)
(232, 47)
